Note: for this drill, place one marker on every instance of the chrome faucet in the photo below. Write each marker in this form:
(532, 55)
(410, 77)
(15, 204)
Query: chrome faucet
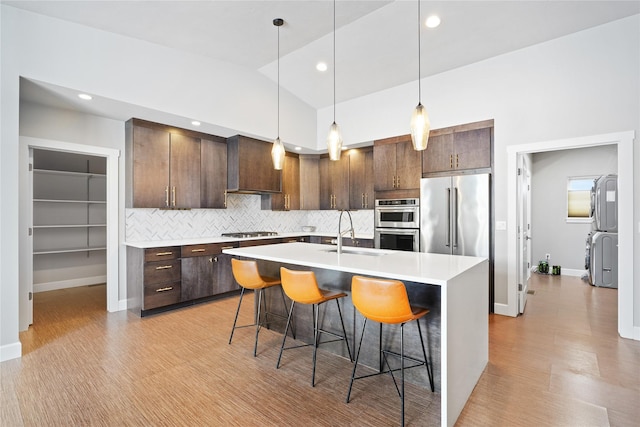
(342, 233)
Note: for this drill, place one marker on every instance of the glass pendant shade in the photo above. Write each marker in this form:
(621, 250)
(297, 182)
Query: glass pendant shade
(420, 127)
(277, 154)
(334, 142)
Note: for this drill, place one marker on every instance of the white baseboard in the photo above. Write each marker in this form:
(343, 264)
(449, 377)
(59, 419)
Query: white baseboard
(573, 272)
(502, 309)
(122, 305)
(10, 351)
(72, 283)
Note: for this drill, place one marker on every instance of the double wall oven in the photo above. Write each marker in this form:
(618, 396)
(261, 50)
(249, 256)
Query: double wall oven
(397, 224)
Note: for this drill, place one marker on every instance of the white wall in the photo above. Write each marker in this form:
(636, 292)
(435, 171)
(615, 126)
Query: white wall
(551, 233)
(127, 70)
(587, 83)
(583, 84)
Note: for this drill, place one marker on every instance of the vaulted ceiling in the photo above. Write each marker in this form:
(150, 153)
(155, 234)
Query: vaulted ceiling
(376, 40)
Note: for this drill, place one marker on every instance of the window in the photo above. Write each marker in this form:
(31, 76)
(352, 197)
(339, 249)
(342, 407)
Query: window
(579, 198)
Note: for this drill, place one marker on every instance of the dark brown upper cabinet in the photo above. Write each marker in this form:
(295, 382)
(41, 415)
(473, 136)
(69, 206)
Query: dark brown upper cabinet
(164, 167)
(173, 168)
(249, 166)
(463, 147)
(361, 178)
(397, 165)
(334, 182)
(289, 198)
(213, 172)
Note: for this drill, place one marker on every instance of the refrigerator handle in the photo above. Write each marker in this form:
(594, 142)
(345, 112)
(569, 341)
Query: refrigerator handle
(448, 244)
(455, 217)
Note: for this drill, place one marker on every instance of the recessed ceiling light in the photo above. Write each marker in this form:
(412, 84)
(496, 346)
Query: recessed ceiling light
(433, 21)
(85, 96)
(321, 66)
(195, 123)
(298, 148)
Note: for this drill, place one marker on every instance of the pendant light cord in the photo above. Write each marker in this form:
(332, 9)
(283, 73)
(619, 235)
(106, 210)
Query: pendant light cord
(419, 71)
(278, 81)
(334, 61)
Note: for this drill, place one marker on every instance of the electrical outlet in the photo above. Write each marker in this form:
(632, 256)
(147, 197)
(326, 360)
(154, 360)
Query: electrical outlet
(547, 256)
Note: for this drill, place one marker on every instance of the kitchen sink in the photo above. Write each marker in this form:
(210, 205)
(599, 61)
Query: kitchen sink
(358, 252)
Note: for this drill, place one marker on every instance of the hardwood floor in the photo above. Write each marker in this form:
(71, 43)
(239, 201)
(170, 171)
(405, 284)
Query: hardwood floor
(560, 364)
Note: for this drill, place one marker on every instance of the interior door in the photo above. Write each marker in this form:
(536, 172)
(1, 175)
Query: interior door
(524, 229)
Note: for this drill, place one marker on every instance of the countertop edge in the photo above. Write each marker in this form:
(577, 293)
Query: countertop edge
(363, 264)
(219, 239)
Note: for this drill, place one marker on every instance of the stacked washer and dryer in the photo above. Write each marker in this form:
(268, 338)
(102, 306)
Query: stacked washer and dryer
(601, 258)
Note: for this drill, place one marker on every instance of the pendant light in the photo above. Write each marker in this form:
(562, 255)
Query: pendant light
(420, 124)
(334, 139)
(277, 151)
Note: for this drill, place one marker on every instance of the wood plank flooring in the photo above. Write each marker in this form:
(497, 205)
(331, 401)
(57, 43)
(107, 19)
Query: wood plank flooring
(560, 364)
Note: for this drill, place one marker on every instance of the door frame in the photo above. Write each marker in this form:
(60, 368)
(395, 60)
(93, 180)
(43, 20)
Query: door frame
(524, 235)
(26, 207)
(624, 142)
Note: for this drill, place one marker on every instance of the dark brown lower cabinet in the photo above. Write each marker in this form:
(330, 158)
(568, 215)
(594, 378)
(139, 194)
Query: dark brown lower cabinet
(206, 271)
(153, 278)
(158, 278)
(224, 281)
(346, 241)
(197, 277)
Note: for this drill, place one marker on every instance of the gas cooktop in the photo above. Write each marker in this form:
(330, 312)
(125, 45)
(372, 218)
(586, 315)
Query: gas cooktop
(243, 234)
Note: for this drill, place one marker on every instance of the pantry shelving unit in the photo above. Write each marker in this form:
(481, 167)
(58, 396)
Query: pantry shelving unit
(69, 221)
(63, 224)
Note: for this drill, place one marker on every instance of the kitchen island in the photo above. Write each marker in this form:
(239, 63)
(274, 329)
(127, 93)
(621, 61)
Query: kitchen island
(454, 288)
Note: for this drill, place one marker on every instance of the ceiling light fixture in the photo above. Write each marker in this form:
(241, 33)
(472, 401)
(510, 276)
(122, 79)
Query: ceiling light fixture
(420, 124)
(195, 123)
(334, 139)
(321, 66)
(277, 151)
(85, 96)
(433, 21)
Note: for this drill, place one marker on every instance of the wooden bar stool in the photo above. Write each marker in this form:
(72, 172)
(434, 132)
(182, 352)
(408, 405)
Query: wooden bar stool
(386, 301)
(302, 287)
(246, 274)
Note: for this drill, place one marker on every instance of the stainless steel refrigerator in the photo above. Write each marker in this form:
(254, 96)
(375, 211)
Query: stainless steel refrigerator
(454, 215)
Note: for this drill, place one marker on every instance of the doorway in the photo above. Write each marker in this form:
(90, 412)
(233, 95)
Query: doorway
(624, 142)
(109, 245)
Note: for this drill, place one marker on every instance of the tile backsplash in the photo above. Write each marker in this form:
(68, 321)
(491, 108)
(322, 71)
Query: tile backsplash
(243, 213)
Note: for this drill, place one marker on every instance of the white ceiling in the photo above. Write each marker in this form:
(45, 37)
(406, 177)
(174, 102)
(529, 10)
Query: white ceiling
(376, 40)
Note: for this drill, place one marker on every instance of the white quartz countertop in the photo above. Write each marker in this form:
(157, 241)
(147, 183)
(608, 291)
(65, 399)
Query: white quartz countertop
(220, 239)
(435, 269)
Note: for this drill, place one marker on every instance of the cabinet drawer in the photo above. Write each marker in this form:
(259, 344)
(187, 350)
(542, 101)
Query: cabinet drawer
(161, 254)
(160, 295)
(199, 250)
(206, 249)
(162, 272)
(258, 242)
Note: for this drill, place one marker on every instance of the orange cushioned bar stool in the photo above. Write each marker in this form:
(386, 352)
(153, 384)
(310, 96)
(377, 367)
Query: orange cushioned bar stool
(386, 301)
(302, 287)
(246, 274)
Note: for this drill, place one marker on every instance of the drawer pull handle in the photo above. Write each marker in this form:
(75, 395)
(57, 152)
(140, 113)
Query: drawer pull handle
(168, 288)
(198, 250)
(227, 247)
(164, 267)
(164, 253)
